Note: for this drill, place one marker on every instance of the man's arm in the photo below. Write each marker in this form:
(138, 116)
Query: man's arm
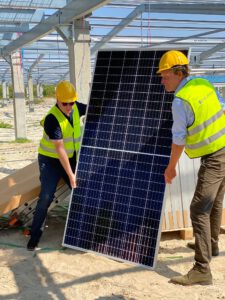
(64, 160)
(170, 171)
(182, 118)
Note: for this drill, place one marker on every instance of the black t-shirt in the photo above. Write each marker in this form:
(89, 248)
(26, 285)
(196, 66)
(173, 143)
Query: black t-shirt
(52, 127)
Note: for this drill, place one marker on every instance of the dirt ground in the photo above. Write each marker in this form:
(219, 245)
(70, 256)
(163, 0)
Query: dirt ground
(53, 272)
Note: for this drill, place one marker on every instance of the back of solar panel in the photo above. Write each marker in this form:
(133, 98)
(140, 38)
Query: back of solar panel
(116, 210)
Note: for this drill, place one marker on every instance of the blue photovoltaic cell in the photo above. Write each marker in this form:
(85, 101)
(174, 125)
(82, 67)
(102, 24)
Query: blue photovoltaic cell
(116, 209)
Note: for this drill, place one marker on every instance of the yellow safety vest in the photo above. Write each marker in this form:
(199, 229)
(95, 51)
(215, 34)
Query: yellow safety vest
(207, 133)
(71, 134)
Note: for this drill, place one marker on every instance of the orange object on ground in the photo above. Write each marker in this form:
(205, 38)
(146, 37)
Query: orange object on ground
(26, 232)
(13, 221)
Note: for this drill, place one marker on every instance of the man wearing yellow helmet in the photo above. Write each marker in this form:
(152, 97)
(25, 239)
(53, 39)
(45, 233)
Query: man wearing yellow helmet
(57, 152)
(199, 128)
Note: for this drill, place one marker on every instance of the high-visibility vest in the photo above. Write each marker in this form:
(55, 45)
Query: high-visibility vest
(71, 134)
(207, 133)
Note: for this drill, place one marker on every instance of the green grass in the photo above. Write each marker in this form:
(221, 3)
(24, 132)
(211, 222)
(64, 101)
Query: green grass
(38, 100)
(21, 141)
(35, 101)
(5, 125)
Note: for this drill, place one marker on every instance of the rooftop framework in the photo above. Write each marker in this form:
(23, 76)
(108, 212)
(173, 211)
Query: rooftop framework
(33, 26)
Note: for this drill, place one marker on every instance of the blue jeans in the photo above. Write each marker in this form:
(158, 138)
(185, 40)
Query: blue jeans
(51, 171)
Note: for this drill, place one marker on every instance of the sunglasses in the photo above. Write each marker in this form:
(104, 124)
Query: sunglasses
(65, 104)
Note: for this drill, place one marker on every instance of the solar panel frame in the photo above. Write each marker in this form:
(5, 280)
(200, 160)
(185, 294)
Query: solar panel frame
(108, 89)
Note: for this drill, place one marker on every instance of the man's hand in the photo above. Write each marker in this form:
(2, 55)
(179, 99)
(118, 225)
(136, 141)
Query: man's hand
(73, 182)
(170, 171)
(169, 174)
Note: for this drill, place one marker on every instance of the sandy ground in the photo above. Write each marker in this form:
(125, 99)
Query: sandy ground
(53, 272)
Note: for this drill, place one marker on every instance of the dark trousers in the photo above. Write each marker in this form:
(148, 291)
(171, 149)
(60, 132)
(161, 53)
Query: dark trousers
(206, 206)
(51, 171)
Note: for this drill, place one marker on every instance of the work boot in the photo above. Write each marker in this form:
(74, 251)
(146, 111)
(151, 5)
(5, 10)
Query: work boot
(215, 248)
(32, 244)
(33, 241)
(194, 276)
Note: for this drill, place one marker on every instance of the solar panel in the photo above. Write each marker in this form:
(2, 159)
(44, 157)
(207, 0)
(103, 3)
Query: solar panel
(116, 209)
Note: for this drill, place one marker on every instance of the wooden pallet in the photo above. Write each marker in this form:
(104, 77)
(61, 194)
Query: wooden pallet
(184, 233)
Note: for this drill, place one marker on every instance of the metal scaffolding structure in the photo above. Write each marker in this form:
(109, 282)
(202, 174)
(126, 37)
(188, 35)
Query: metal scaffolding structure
(37, 28)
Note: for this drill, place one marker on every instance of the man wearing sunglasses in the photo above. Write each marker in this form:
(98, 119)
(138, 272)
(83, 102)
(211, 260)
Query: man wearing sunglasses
(57, 153)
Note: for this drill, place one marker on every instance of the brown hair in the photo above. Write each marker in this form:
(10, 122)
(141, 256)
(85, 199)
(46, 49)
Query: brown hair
(183, 69)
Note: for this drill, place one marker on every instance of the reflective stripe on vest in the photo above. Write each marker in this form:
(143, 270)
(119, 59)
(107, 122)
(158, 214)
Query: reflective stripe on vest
(207, 133)
(207, 141)
(53, 151)
(206, 123)
(65, 140)
(71, 134)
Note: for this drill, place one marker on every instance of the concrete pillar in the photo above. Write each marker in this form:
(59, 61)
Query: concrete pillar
(19, 96)
(4, 93)
(41, 91)
(31, 94)
(38, 90)
(4, 90)
(80, 59)
(27, 92)
(7, 91)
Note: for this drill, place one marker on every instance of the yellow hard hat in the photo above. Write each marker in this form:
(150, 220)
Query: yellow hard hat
(172, 58)
(65, 92)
